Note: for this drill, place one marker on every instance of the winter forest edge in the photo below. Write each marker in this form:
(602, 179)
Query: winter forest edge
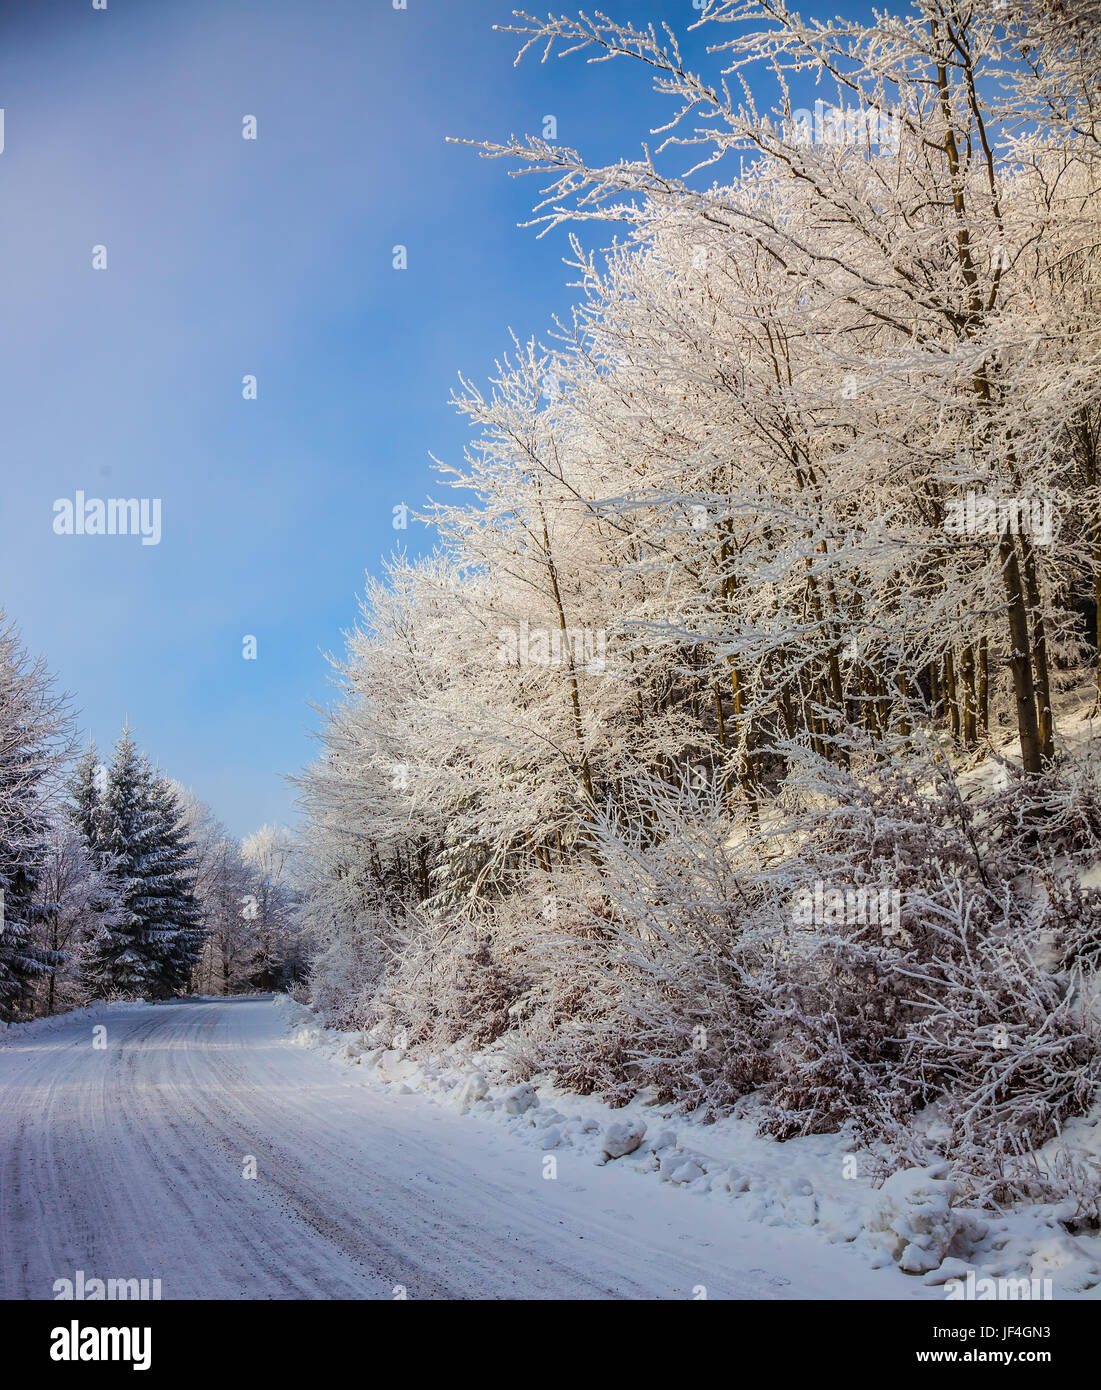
(736, 746)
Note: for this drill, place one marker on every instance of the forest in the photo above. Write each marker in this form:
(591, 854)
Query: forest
(116, 882)
(734, 743)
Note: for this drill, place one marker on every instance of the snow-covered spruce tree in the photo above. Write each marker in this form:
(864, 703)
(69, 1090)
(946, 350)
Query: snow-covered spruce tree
(89, 782)
(170, 905)
(34, 730)
(151, 947)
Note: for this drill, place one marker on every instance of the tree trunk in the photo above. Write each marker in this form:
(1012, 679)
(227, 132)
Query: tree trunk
(1020, 660)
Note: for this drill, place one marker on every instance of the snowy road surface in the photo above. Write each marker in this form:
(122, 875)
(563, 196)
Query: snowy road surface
(127, 1162)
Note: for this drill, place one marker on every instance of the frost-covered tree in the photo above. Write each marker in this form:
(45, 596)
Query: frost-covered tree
(772, 570)
(34, 731)
(150, 948)
(223, 886)
(89, 782)
(170, 904)
(248, 899)
(276, 959)
(922, 307)
(76, 898)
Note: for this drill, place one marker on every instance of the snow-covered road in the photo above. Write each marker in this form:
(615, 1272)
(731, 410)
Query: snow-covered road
(127, 1161)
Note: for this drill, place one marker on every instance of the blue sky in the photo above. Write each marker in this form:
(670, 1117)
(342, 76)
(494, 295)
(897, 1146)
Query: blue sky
(273, 257)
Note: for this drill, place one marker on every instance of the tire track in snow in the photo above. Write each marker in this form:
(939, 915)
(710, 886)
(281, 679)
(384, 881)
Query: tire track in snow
(127, 1163)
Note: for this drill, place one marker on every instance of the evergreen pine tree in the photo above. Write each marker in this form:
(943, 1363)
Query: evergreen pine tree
(86, 811)
(173, 908)
(121, 959)
(100, 893)
(32, 728)
(136, 827)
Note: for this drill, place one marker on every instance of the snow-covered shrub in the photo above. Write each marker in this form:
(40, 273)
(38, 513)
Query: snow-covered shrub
(643, 981)
(840, 988)
(957, 1001)
(1074, 918)
(1056, 813)
(344, 973)
(452, 981)
(573, 1021)
(1000, 1038)
(1068, 1180)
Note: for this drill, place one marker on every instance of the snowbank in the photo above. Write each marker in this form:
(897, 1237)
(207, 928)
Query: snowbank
(10, 1032)
(912, 1220)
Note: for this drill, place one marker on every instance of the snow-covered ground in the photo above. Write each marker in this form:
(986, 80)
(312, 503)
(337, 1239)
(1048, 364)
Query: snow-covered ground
(127, 1161)
(906, 1236)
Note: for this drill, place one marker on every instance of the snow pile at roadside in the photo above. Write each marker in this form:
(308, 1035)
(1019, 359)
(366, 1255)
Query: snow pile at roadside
(92, 1012)
(9, 1032)
(913, 1220)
